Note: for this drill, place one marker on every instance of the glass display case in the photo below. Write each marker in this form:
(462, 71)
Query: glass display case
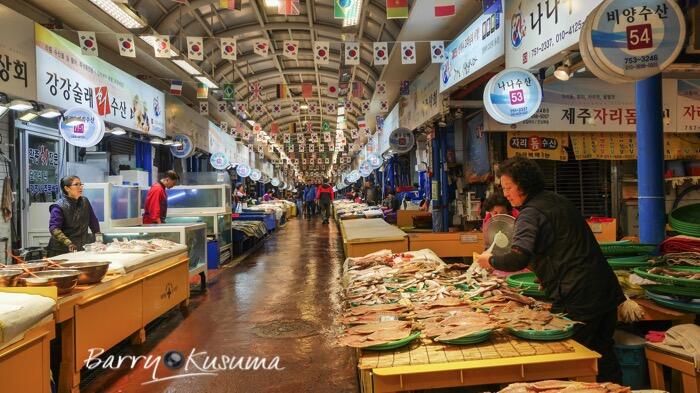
(218, 227)
(194, 236)
(114, 205)
(198, 199)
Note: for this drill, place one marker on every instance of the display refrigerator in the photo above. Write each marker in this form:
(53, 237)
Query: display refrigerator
(114, 205)
(194, 236)
(207, 203)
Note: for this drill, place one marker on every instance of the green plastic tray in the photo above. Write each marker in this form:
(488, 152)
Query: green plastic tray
(543, 335)
(475, 338)
(394, 344)
(527, 282)
(684, 282)
(673, 290)
(674, 304)
(687, 216)
(619, 249)
(629, 262)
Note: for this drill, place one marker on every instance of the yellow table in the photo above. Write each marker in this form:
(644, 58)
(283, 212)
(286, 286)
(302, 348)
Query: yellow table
(363, 236)
(448, 244)
(25, 366)
(502, 359)
(102, 315)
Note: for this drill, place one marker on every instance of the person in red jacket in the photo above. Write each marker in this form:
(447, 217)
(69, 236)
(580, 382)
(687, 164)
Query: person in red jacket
(324, 196)
(155, 209)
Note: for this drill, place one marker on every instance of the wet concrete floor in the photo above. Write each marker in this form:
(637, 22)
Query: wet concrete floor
(280, 301)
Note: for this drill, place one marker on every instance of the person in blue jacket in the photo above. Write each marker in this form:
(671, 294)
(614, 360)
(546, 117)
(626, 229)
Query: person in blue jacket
(310, 200)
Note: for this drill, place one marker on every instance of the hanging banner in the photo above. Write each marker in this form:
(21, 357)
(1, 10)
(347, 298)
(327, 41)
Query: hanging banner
(66, 78)
(221, 142)
(633, 39)
(185, 149)
(539, 30)
(688, 107)
(423, 101)
(86, 134)
(512, 96)
(17, 55)
(475, 49)
(181, 119)
(391, 122)
(538, 146)
(593, 105)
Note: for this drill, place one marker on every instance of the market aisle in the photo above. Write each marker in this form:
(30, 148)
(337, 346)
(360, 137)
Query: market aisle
(279, 302)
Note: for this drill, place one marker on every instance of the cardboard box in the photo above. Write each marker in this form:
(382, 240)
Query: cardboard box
(604, 231)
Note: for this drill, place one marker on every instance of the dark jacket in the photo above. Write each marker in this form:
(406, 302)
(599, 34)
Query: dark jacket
(566, 257)
(73, 217)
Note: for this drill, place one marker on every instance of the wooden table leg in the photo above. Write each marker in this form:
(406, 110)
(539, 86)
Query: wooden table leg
(656, 375)
(691, 383)
(68, 377)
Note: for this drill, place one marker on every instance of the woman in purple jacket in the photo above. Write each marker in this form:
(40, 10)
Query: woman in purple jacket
(71, 216)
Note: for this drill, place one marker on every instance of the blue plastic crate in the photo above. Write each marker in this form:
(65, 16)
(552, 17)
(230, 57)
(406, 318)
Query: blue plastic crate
(629, 350)
(212, 254)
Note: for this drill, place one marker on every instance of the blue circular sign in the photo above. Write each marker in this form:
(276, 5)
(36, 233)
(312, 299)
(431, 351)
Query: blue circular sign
(375, 159)
(255, 175)
(513, 95)
(401, 140)
(365, 168)
(219, 161)
(243, 170)
(184, 149)
(637, 39)
(88, 132)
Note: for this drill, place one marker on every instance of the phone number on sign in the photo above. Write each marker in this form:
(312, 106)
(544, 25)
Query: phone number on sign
(637, 62)
(561, 36)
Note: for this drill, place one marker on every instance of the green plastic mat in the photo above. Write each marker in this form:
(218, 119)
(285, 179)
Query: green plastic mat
(474, 338)
(673, 290)
(684, 282)
(670, 302)
(686, 219)
(542, 336)
(394, 344)
(527, 282)
(629, 262)
(620, 249)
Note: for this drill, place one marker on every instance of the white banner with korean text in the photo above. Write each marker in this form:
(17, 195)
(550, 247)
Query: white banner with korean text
(66, 79)
(17, 55)
(591, 105)
(424, 100)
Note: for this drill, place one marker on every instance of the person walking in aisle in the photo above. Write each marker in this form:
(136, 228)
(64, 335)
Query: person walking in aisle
(155, 209)
(324, 195)
(299, 199)
(310, 199)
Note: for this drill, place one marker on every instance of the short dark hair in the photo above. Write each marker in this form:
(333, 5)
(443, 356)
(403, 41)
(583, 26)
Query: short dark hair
(496, 199)
(172, 175)
(524, 172)
(67, 181)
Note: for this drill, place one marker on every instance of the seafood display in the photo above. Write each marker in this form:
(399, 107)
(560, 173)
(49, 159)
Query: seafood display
(131, 246)
(678, 259)
(565, 387)
(405, 292)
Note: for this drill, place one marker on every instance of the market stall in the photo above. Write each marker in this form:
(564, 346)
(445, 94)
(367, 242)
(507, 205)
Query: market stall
(363, 236)
(26, 328)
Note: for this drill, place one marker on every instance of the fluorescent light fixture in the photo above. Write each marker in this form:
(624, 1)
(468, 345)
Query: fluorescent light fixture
(304, 107)
(73, 121)
(50, 113)
(168, 142)
(20, 105)
(207, 82)
(177, 143)
(118, 131)
(156, 141)
(251, 122)
(187, 67)
(121, 13)
(28, 116)
(357, 7)
(3, 111)
(151, 40)
(272, 3)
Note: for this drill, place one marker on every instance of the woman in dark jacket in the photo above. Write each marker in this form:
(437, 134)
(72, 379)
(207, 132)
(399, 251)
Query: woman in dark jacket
(552, 237)
(71, 216)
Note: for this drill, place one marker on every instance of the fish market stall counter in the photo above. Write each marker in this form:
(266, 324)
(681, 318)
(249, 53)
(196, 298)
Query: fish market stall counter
(364, 236)
(26, 330)
(139, 288)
